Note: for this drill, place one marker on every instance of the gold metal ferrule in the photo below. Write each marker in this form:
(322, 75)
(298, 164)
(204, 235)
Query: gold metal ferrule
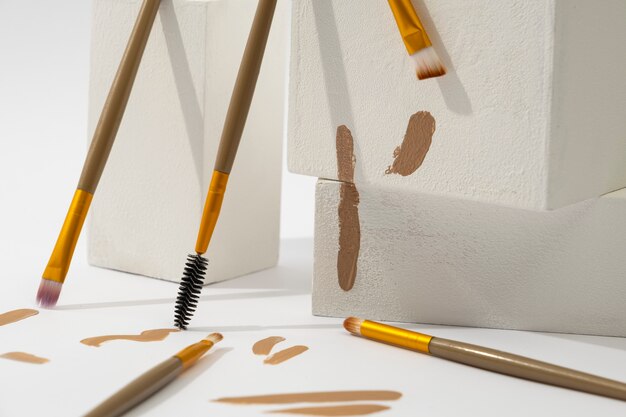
(192, 353)
(411, 29)
(211, 212)
(396, 336)
(61, 257)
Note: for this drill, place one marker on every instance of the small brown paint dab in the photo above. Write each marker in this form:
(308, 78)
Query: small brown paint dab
(264, 346)
(285, 355)
(335, 410)
(410, 155)
(24, 357)
(145, 336)
(16, 315)
(315, 397)
(348, 211)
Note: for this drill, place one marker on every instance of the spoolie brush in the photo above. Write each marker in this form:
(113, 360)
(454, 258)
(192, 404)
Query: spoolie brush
(196, 266)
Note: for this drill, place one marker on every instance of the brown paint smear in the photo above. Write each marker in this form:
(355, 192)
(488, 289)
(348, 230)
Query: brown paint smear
(337, 410)
(285, 355)
(348, 211)
(145, 336)
(315, 397)
(410, 155)
(16, 315)
(264, 346)
(24, 357)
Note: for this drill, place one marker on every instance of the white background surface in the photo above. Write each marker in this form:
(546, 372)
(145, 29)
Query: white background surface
(43, 85)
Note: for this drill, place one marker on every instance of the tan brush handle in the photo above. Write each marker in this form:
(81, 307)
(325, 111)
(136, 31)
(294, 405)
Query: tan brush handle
(139, 389)
(244, 86)
(522, 367)
(115, 104)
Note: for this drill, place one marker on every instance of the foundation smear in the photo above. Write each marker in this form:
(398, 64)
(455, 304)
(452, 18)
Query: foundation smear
(315, 397)
(16, 315)
(285, 355)
(264, 347)
(410, 155)
(348, 211)
(145, 336)
(336, 410)
(24, 357)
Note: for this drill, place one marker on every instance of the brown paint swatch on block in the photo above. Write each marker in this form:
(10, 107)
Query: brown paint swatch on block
(348, 211)
(24, 357)
(335, 410)
(285, 355)
(16, 315)
(315, 397)
(264, 346)
(145, 336)
(410, 155)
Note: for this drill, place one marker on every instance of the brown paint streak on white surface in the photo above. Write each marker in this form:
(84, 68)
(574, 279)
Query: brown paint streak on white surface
(315, 397)
(409, 156)
(264, 346)
(285, 355)
(16, 315)
(24, 357)
(155, 335)
(335, 410)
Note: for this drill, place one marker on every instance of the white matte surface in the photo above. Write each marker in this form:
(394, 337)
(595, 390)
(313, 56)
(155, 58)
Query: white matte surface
(530, 114)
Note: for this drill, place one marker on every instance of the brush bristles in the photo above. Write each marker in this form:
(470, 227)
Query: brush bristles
(214, 337)
(48, 293)
(353, 325)
(428, 64)
(190, 289)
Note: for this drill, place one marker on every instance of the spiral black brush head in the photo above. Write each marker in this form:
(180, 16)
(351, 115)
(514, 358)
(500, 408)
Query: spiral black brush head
(189, 290)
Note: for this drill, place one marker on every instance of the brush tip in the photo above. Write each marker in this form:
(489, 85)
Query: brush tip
(48, 293)
(428, 64)
(353, 325)
(214, 337)
(190, 289)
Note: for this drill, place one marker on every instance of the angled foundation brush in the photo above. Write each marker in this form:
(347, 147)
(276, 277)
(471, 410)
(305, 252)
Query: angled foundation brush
(488, 359)
(196, 266)
(101, 144)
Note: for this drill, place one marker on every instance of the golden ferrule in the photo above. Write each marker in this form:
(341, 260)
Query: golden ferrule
(413, 34)
(61, 257)
(211, 212)
(191, 354)
(396, 336)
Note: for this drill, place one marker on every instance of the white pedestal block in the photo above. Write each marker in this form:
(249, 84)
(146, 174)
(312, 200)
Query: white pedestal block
(448, 261)
(530, 114)
(146, 211)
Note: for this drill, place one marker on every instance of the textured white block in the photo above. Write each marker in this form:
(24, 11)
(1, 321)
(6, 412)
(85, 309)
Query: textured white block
(146, 211)
(530, 114)
(431, 259)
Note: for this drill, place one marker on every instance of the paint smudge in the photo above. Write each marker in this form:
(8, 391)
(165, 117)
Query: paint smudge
(16, 315)
(264, 346)
(348, 211)
(24, 357)
(155, 335)
(315, 397)
(409, 156)
(335, 410)
(285, 355)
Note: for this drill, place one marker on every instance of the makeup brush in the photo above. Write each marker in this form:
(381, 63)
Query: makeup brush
(416, 40)
(196, 265)
(489, 359)
(153, 380)
(103, 138)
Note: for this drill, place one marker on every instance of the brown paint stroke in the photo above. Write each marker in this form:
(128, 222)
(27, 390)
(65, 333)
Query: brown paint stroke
(16, 315)
(335, 410)
(145, 336)
(315, 397)
(348, 211)
(411, 153)
(285, 355)
(24, 357)
(264, 346)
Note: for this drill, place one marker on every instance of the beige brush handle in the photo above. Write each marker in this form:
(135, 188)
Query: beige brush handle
(115, 104)
(139, 389)
(522, 367)
(244, 86)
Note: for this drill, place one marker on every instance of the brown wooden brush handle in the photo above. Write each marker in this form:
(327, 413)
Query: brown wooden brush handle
(115, 104)
(244, 86)
(522, 367)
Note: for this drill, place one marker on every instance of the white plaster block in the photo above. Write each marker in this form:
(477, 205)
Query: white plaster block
(146, 211)
(530, 114)
(442, 260)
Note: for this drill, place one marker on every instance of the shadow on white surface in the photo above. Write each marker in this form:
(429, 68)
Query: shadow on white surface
(258, 328)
